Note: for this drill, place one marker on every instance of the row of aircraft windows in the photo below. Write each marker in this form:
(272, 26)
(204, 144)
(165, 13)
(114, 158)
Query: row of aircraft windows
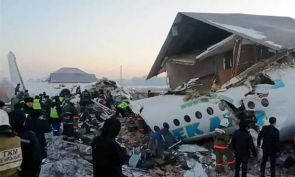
(187, 118)
(264, 103)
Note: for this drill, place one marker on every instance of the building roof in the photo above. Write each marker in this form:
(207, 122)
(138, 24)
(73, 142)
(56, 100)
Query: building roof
(70, 70)
(195, 31)
(71, 75)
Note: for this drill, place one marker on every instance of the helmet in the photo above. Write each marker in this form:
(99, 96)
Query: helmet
(224, 122)
(4, 120)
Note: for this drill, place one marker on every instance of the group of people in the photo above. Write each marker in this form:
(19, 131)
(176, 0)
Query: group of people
(23, 143)
(239, 148)
(22, 131)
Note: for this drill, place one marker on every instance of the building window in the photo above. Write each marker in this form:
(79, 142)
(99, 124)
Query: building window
(210, 111)
(166, 125)
(264, 102)
(176, 122)
(187, 118)
(198, 115)
(251, 105)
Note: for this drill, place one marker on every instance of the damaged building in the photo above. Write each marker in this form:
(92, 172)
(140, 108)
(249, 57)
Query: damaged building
(238, 61)
(218, 47)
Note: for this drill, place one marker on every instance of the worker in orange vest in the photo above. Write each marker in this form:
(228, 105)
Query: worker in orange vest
(221, 147)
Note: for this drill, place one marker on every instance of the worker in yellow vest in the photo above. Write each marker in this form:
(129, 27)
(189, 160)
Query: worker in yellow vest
(10, 147)
(37, 103)
(55, 112)
(123, 108)
(61, 100)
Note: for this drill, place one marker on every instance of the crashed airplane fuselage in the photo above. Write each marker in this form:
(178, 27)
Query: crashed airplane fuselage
(191, 120)
(197, 118)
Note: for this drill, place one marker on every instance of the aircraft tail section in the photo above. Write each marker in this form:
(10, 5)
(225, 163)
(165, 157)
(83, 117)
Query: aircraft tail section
(15, 75)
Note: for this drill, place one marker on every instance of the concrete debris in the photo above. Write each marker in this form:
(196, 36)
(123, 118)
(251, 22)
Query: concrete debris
(67, 168)
(167, 171)
(196, 169)
(109, 86)
(134, 172)
(66, 159)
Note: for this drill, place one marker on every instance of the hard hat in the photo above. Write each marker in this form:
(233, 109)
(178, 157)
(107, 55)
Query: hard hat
(4, 120)
(224, 122)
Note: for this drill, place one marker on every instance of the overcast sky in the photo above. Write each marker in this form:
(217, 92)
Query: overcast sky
(98, 36)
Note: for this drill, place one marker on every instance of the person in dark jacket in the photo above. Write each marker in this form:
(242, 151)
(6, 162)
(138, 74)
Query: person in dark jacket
(16, 90)
(150, 94)
(68, 112)
(85, 98)
(30, 146)
(108, 155)
(46, 105)
(242, 144)
(28, 108)
(271, 145)
(37, 124)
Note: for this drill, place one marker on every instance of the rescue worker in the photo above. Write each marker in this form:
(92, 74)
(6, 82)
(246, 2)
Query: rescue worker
(68, 112)
(26, 94)
(37, 124)
(37, 103)
(13, 101)
(169, 139)
(85, 98)
(150, 94)
(78, 90)
(31, 150)
(157, 143)
(221, 146)
(55, 112)
(242, 144)
(10, 147)
(109, 99)
(270, 146)
(108, 155)
(16, 90)
(21, 95)
(46, 104)
(123, 109)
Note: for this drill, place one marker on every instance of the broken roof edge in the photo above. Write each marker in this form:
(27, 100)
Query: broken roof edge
(219, 25)
(157, 66)
(217, 47)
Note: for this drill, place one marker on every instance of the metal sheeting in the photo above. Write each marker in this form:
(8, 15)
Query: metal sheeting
(271, 31)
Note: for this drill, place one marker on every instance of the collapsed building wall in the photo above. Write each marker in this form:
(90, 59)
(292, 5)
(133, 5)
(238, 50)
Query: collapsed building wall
(219, 68)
